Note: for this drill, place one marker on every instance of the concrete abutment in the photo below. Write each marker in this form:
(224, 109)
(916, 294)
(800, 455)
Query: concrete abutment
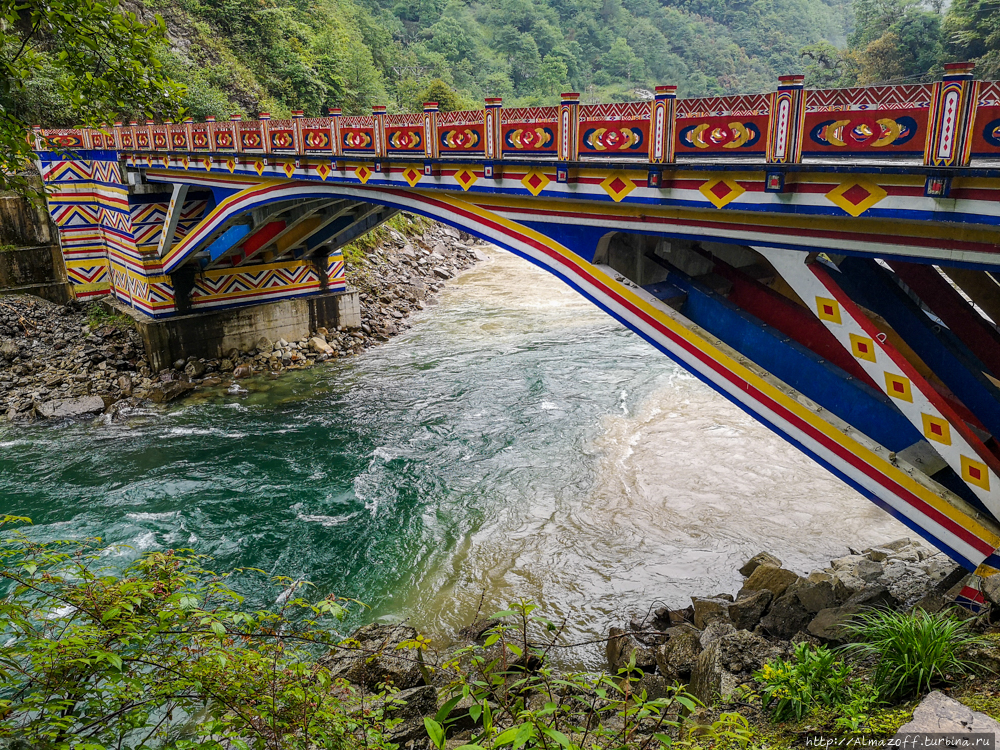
(210, 334)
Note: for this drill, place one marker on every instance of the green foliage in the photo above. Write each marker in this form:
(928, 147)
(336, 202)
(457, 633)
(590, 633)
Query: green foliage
(812, 677)
(99, 316)
(914, 650)
(161, 654)
(515, 700)
(72, 62)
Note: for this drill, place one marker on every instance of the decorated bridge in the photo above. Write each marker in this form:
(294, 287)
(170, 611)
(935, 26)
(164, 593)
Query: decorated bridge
(827, 260)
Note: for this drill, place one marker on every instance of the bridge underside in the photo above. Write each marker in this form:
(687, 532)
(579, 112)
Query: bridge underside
(868, 341)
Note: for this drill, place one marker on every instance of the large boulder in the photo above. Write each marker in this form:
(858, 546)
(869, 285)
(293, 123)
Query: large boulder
(729, 662)
(786, 617)
(620, 648)
(373, 656)
(707, 609)
(770, 578)
(715, 630)
(818, 591)
(939, 714)
(677, 657)
(172, 390)
(747, 610)
(761, 558)
(828, 624)
(64, 408)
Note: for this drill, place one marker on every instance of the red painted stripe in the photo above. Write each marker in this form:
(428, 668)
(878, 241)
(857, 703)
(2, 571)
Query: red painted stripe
(880, 238)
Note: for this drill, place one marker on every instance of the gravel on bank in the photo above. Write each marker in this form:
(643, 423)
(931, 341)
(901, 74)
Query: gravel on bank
(79, 360)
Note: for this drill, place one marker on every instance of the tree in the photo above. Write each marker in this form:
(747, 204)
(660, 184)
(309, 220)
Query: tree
(551, 78)
(98, 61)
(440, 92)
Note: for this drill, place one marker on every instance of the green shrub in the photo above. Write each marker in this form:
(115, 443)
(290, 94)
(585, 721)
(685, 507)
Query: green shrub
(812, 677)
(914, 649)
(161, 654)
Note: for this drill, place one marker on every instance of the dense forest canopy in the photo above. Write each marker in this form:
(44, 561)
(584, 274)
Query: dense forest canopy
(248, 56)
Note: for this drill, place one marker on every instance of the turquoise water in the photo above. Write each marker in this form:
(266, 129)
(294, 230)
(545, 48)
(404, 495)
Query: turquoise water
(516, 441)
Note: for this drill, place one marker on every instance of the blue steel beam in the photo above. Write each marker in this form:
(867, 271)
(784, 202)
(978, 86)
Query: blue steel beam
(871, 286)
(855, 402)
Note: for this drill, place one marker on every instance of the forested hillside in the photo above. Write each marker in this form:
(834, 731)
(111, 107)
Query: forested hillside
(281, 54)
(249, 56)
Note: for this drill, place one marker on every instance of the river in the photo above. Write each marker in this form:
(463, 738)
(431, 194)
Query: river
(515, 442)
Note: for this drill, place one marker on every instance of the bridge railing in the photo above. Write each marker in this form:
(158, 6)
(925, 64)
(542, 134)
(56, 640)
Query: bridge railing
(942, 124)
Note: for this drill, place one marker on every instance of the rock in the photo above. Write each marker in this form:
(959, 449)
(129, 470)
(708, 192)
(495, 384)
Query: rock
(195, 369)
(715, 630)
(761, 558)
(815, 593)
(9, 349)
(371, 657)
(728, 662)
(413, 703)
(264, 344)
(442, 272)
(707, 609)
(991, 589)
(617, 641)
(937, 713)
(878, 554)
(163, 393)
(180, 364)
(786, 617)
(620, 648)
(676, 658)
(244, 370)
(747, 610)
(477, 631)
(71, 407)
(125, 385)
(319, 346)
(655, 686)
(226, 365)
(771, 578)
(828, 624)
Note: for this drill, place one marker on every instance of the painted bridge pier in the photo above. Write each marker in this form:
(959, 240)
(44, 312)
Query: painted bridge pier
(828, 260)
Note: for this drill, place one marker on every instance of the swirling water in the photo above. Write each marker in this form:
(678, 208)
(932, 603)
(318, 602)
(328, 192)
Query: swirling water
(515, 442)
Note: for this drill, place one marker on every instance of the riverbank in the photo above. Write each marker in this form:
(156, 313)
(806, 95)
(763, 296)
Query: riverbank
(81, 360)
(872, 646)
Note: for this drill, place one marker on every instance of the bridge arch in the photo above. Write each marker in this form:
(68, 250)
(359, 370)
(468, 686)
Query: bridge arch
(621, 276)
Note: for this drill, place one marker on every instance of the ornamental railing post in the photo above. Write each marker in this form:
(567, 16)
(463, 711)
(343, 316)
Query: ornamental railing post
(210, 131)
(265, 135)
(118, 136)
(378, 112)
(431, 130)
(297, 115)
(149, 134)
(491, 127)
(662, 123)
(952, 116)
(234, 123)
(569, 124)
(786, 120)
(335, 114)
(189, 134)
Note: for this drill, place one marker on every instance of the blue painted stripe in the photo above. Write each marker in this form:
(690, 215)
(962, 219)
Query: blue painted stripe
(871, 286)
(855, 402)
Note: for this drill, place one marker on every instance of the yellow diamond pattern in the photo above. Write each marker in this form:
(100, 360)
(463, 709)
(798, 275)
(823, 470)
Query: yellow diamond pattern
(535, 181)
(466, 178)
(722, 191)
(840, 195)
(363, 173)
(617, 185)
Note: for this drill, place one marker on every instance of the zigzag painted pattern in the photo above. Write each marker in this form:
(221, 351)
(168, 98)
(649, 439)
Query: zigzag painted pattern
(614, 112)
(737, 106)
(250, 284)
(989, 94)
(917, 96)
(529, 114)
(68, 171)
